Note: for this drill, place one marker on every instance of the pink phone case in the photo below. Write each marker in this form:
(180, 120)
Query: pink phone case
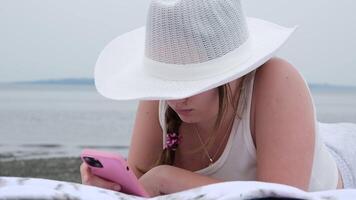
(113, 168)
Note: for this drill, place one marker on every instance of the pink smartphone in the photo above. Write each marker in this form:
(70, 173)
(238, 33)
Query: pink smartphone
(113, 167)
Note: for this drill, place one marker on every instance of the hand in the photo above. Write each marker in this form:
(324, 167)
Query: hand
(152, 181)
(90, 179)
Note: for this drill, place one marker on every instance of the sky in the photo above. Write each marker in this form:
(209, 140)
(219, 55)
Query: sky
(42, 39)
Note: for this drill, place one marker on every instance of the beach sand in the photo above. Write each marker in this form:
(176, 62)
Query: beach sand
(62, 169)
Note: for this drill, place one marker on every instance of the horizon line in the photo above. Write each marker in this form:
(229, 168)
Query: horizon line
(90, 81)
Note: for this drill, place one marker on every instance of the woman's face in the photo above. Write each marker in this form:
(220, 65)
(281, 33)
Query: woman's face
(197, 108)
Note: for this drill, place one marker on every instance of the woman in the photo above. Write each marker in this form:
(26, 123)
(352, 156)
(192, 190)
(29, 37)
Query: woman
(228, 109)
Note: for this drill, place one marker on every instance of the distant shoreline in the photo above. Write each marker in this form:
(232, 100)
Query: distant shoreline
(66, 81)
(91, 82)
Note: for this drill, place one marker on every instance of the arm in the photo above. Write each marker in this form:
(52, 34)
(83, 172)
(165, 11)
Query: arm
(284, 125)
(146, 146)
(146, 140)
(166, 179)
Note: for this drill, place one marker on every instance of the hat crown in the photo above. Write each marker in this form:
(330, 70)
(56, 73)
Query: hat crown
(193, 31)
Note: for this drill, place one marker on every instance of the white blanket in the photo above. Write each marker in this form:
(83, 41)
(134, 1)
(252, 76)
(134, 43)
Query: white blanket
(33, 188)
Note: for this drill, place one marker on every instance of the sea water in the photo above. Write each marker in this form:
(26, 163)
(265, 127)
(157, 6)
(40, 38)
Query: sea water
(61, 120)
(41, 121)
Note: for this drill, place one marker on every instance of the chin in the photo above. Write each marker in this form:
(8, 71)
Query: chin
(187, 119)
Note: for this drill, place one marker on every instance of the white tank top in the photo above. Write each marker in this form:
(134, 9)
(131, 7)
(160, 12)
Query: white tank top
(238, 160)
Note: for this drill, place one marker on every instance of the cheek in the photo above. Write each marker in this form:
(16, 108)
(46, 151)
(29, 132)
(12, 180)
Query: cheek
(208, 104)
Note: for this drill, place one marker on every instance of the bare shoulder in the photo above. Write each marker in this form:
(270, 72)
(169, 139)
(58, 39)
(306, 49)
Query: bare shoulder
(276, 75)
(269, 69)
(277, 79)
(146, 140)
(274, 70)
(283, 124)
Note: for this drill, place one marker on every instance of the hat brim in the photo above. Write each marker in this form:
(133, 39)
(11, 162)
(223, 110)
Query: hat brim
(119, 70)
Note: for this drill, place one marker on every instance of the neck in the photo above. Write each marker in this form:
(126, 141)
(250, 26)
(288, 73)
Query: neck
(206, 127)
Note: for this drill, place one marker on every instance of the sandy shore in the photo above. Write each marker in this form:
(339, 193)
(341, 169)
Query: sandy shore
(63, 169)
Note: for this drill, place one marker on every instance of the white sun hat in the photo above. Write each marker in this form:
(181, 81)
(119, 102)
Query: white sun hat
(186, 47)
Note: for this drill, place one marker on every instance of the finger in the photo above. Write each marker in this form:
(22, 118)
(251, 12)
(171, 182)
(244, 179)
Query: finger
(84, 168)
(89, 179)
(85, 172)
(100, 182)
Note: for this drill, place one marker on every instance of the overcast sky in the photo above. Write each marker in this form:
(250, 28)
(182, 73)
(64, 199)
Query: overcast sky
(45, 39)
